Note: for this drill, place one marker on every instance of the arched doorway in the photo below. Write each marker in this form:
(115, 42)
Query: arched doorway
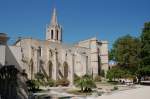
(66, 69)
(50, 67)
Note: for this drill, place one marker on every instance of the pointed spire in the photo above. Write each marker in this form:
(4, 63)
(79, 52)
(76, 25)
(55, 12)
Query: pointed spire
(54, 17)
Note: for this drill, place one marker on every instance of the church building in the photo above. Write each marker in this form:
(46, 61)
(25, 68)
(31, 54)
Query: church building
(54, 58)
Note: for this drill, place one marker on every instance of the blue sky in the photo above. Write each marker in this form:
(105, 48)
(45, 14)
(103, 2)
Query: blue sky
(81, 19)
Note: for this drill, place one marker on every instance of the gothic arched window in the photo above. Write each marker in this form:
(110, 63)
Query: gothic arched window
(40, 51)
(52, 34)
(57, 33)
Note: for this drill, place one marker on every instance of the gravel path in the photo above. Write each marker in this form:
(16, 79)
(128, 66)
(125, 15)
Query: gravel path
(139, 93)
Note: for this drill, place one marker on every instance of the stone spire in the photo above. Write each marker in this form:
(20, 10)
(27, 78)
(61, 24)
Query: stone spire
(54, 30)
(54, 18)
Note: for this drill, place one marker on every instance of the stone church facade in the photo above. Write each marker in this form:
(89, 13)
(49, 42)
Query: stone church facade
(54, 58)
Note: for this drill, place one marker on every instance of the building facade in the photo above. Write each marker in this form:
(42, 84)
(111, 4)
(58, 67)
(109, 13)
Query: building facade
(54, 58)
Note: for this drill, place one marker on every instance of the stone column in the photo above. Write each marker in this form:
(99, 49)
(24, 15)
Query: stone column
(72, 70)
(38, 60)
(54, 34)
(60, 35)
(86, 60)
(55, 68)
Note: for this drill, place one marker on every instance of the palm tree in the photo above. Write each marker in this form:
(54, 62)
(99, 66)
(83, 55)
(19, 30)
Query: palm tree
(40, 78)
(86, 83)
(80, 83)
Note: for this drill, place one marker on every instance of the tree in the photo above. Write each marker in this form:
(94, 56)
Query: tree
(145, 71)
(116, 73)
(126, 52)
(86, 83)
(144, 68)
(145, 48)
(111, 54)
(132, 54)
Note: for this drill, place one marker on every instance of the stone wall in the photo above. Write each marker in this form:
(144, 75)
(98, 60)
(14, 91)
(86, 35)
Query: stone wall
(2, 54)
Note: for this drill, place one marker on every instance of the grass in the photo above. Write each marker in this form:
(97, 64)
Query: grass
(113, 82)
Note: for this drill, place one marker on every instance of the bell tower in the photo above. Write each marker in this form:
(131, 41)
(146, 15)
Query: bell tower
(54, 30)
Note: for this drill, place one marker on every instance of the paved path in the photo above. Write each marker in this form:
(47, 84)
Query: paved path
(140, 93)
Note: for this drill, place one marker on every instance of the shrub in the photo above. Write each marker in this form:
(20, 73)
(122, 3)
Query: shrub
(33, 85)
(50, 82)
(62, 82)
(40, 79)
(116, 73)
(102, 73)
(86, 83)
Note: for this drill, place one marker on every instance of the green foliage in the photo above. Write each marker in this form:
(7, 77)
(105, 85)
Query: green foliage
(86, 83)
(44, 81)
(126, 52)
(144, 71)
(114, 73)
(62, 82)
(97, 78)
(132, 54)
(145, 48)
(51, 82)
(33, 85)
(117, 73)
(40, 78)
(102, 73)
(111, 55)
